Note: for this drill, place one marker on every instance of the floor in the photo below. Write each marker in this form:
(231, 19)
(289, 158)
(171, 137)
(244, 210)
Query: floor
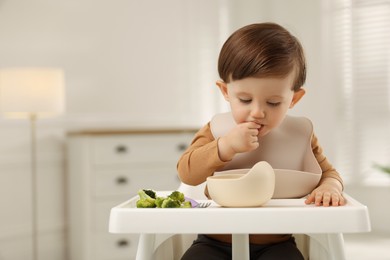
(367, 246)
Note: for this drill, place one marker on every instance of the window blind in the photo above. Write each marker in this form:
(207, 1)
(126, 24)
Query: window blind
(360, 41)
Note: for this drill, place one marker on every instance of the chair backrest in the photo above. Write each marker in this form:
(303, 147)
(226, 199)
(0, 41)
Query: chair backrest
(193, 192)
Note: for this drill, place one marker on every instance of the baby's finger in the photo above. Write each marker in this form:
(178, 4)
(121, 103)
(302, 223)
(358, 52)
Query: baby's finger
(254, 139)
(326, 199)
(254, 145)
(254, 132)
(318, 198)
(342, 200)
(335, 200)
(309, 199)
(253, 125)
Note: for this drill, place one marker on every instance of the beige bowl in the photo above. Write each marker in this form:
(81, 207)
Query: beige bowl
(243, 187)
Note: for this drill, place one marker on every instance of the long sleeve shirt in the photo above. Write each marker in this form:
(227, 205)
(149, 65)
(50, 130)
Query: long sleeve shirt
(201, 160)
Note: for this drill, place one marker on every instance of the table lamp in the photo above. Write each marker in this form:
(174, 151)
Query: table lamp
(32, 93)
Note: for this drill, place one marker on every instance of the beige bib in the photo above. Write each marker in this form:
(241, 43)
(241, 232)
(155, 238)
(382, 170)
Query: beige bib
(287, 149)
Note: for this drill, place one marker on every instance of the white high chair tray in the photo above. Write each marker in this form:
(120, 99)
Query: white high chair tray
(277, 216)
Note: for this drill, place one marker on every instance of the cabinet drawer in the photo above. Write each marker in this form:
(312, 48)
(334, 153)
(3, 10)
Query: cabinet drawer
(128, 182)
(139, 148)
(114, 246)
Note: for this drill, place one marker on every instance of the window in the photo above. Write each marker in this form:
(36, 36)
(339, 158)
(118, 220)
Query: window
(359, 37)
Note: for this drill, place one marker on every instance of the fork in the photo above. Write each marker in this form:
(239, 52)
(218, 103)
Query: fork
(203, 205)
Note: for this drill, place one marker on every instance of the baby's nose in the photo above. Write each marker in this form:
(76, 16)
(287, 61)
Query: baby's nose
(257, 112)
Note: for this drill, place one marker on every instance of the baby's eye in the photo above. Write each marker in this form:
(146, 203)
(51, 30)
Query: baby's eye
(273, 104)
(245, 101)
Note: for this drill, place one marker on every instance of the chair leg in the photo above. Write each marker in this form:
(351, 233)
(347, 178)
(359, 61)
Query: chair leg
(240, 246)
(336, 244)
(149, 244)
(145, 247)
(327, 247)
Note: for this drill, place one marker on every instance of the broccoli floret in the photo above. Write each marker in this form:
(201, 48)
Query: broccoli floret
(148, 199)
(145, 204)
(170, 203)
(177, 195)
(159, 201)
(145, 201)
(186, 204)
(143, 195)
(150, 193)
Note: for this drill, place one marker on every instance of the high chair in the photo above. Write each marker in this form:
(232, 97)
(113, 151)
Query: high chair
(318, 247)
(316, 241)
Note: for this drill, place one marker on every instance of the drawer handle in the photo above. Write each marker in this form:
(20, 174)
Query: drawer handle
(121, 149)
(122, 243)
(121, 180)
(181, 147)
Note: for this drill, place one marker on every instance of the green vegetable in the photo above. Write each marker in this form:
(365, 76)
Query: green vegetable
(177, 195)
(148, 199)
(150, 193)
(145, 201)
(170, 203)
(159, 201)
(186, 204)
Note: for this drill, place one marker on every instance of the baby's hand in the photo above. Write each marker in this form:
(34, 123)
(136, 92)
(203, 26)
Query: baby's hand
(327, 194)
(242, 138)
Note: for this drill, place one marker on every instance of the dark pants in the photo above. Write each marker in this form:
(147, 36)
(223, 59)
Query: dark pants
(205, 248)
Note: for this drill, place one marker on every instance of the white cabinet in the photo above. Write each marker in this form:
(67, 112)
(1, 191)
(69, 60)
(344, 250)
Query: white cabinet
(106, 168)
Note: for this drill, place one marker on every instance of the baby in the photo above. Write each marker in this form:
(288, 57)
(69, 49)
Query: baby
(262, 70)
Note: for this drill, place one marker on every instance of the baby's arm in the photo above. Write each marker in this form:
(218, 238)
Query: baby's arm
(201, 159)
(207, 154)
(329, 191)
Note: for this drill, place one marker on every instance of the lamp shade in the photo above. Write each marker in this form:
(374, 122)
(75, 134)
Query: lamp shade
(26, 91)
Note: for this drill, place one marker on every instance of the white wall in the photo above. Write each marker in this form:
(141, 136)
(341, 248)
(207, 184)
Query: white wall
(131, 62)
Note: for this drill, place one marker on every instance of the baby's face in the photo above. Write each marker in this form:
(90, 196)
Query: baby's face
(264, 101)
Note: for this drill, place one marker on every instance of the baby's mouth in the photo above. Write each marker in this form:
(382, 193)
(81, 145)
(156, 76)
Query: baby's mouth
(261, 125)
(260, 129)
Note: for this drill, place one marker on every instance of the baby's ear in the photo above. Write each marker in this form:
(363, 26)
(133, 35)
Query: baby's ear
(297, 96)
(223, 88)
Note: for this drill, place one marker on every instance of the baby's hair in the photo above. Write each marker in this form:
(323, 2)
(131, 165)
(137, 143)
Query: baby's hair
(262, 50)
